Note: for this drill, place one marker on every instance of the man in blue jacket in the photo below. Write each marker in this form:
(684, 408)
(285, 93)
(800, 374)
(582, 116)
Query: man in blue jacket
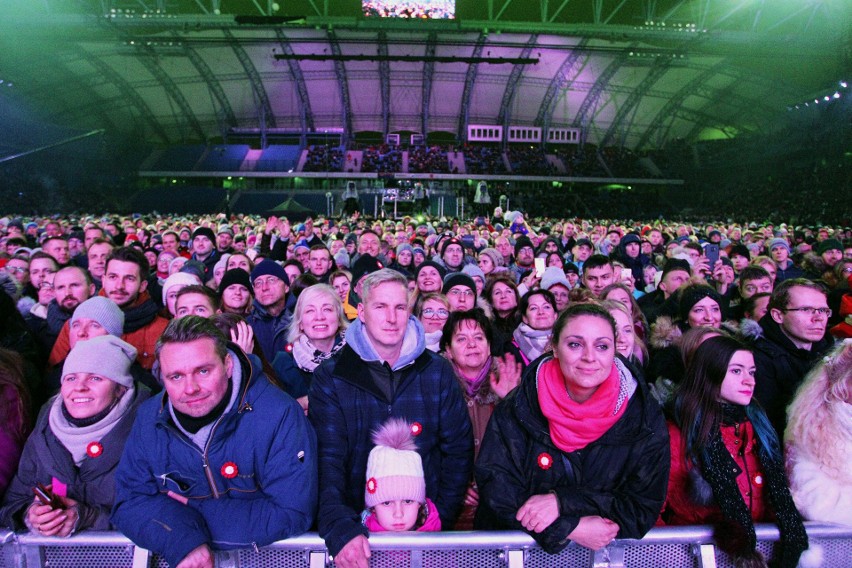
(385, 371)
(221, 460)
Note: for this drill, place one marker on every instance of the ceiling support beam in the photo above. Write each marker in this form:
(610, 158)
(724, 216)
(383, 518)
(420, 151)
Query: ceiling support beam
(306, 114)
(225, 116)
(428, 74)
(581, 119)
(384, 83)
(505, 114)
(658, 69)
(265, 116)
(560, 84)
(127, 90)
(675, 102)
(343, 85)
(467, 92)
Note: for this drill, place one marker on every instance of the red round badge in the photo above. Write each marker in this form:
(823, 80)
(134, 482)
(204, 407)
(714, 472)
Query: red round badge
(94, 449)
(371, 485)
(416, 428)
(545, 461)
(229, 470)
(288, 348)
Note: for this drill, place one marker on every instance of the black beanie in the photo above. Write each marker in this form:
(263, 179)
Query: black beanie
(366, 264)
(441, 270)
(522, 242)
(235, 276)
(693, 294)
(458, 279)
(204, 232)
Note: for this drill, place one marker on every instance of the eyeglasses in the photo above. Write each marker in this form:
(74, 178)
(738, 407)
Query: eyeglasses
(810, 311)
(267, 282)
(462, 293)
(18, 269)
(439, 313)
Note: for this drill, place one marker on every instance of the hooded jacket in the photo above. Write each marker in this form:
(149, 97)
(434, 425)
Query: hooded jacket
(270, 494)
(621, 476)
(353, 393)
(781, 367)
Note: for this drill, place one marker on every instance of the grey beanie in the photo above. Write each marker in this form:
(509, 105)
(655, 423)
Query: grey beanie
(102, 310)
(552, 276)
(778, 243)
(474, 271)
(107, 356)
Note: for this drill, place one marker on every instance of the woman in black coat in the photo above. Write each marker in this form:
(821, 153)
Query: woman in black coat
(579, 451)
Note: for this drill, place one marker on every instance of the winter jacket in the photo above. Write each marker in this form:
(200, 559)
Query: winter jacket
(621, 476)
(689, 500)
(209, 263)
(11, 445)
(353, 393)
(270, 494)
(45, 460)
(142, 328)
(791, 271)
(270, 332)
(781, 367)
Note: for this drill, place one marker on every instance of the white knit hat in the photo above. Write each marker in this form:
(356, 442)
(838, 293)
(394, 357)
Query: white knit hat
(178, 278)
(394, 468)
(107, 356)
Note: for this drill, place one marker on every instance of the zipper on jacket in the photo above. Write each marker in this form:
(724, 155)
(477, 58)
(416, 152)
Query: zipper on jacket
(206, 462)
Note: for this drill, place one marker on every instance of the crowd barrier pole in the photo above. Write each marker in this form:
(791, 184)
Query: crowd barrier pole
(690, 546)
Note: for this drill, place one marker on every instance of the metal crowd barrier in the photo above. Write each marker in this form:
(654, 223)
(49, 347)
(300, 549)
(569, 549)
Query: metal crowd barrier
(662, 547)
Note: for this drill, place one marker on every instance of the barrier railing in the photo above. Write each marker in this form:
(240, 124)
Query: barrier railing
(664, 546)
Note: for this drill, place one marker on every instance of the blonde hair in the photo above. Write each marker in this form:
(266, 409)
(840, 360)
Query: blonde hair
(307, 296)
(814, 427)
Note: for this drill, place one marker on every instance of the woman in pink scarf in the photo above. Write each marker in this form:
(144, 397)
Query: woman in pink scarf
(579, 451)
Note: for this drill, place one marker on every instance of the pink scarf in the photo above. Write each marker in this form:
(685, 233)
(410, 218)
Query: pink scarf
(575, 425)
(473, 384)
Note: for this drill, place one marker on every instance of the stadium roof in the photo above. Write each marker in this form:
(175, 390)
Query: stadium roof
(632, 73)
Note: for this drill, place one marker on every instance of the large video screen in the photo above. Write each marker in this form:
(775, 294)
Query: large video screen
(427, 9)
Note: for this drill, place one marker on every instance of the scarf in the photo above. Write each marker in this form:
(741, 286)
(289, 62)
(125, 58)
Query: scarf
(75, 439)
(574, 425)
(472, 385)
(720, 470)
(433, 340)
(308, 357)
(532, 342)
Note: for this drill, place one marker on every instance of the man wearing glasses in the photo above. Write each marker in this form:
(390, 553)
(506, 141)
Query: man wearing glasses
(269, 318)
(791, 340)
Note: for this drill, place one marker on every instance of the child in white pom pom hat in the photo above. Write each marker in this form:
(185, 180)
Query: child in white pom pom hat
(395, 493)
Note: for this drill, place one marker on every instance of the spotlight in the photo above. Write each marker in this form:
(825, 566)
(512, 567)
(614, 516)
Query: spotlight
(843, 84)
(826, 98)
(836, 95)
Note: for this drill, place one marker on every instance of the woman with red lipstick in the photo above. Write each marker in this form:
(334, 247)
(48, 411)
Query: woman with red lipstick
(727, 468)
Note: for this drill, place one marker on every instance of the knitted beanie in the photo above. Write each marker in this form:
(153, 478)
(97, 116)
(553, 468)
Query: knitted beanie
(458, 279)
(181, 279)
(779, 243)
(552, 276)
(404, 246)
(196, 268)
(222, 263)
(829, 244)
(235, 276)
(106, 356)
(204, 232)
(269, 267)
(394, 468)
(451, 241)
(691, 295)
(441, 270)
(740, 250)
(494, 255)
(474, 271)
(366, 264)
(102, 310)
(522, 242)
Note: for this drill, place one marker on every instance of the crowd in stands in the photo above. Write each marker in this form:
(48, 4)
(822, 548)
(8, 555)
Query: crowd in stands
(429, 376)
(424, 160)
(433, 9)
(382, 159)
(323, 158)
(529, 160)
(483, 159)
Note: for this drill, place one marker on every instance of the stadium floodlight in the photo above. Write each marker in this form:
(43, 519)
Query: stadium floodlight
(836, 95)
(843, 84)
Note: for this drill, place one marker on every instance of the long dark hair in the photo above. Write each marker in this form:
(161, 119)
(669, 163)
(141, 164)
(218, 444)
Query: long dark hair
(12, 376)
(698, 412)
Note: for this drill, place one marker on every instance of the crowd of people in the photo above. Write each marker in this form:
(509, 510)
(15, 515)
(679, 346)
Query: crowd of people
(323, 158)
(223, 382)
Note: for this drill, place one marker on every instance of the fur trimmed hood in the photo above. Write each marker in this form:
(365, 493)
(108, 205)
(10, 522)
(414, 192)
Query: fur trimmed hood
(664, 333)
